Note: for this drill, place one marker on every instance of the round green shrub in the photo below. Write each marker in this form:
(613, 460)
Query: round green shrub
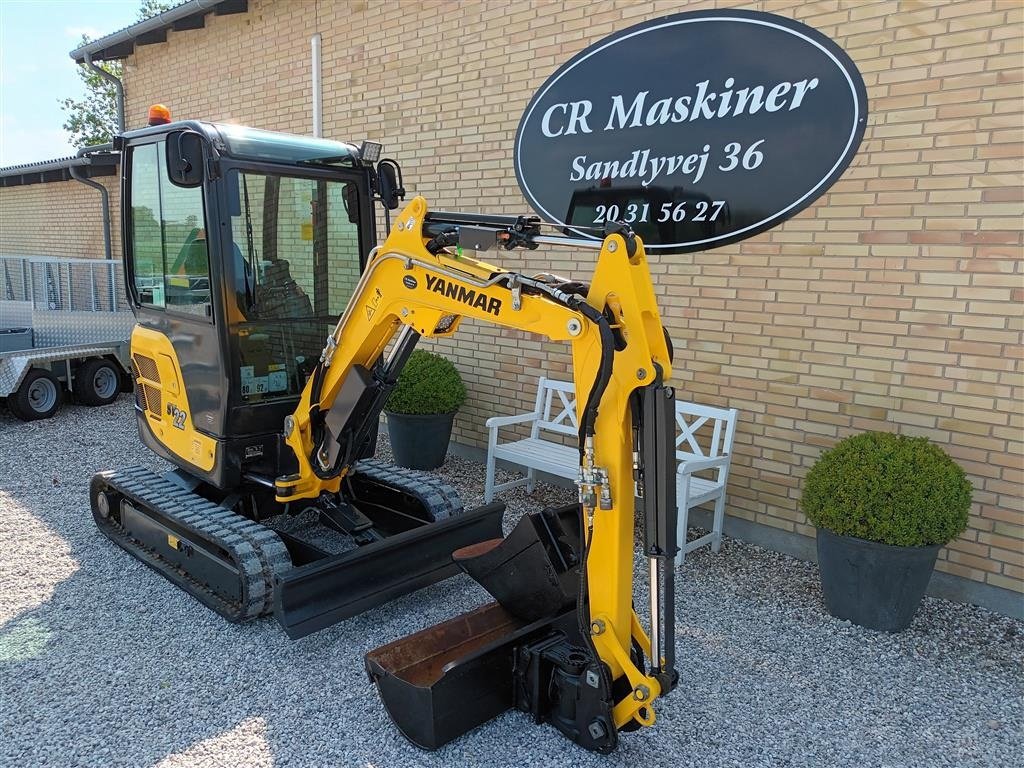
(428, 384)
(892, 489)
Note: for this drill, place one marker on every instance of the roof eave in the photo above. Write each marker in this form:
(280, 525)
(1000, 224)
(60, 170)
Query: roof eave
(190, 15)
(100, 164)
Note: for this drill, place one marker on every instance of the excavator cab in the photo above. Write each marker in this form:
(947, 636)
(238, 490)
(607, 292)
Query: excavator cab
(244, 268)
(242, 249)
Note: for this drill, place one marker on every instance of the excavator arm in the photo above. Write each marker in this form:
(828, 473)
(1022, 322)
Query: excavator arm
(415, 286)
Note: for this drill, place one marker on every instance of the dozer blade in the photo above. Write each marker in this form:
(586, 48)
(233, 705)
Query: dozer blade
(312, 597)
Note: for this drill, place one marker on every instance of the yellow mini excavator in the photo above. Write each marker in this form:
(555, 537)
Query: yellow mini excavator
(244, 251)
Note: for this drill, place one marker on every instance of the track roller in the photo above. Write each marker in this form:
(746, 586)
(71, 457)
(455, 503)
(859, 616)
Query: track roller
(227, 562)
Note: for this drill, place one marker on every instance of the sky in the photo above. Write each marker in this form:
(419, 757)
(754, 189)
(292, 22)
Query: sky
(36, 71)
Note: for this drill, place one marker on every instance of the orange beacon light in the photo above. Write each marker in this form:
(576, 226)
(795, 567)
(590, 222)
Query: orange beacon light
(159, 115)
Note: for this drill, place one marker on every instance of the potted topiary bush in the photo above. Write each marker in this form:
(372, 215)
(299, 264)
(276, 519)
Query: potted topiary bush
(884, 505)
(421, 410)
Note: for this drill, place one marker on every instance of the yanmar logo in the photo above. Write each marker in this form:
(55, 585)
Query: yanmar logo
(466, 295)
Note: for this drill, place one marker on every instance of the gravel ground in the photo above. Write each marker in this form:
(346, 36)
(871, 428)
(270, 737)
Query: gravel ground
(104, 663)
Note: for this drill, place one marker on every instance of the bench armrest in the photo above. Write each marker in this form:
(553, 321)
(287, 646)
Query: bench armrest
(690, 466)
(504, 421)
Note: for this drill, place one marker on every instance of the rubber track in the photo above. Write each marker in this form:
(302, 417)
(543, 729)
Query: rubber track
(440, 498)
(255, 550)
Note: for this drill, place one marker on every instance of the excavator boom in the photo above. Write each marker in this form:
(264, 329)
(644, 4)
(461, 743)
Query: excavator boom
(577, 563)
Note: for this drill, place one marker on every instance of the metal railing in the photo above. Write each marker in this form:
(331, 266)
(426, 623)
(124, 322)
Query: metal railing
(63, 284)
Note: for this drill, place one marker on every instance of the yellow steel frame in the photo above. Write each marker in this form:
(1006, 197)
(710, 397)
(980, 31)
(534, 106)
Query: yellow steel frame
(621, 285)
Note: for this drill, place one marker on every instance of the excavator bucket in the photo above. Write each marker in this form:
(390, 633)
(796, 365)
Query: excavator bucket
(531, 572)
(311, 597)
(445, 680)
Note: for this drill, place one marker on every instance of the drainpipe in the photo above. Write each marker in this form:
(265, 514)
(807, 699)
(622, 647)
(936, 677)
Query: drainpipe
(105, 197)
(318, 104)
(73, 170)
(118, 88)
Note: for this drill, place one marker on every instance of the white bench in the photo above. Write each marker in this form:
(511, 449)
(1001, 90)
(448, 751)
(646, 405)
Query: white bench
(711, 458)
(554, 412)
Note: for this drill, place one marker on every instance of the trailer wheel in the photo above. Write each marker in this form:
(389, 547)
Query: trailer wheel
(38, 397)
(97, 382)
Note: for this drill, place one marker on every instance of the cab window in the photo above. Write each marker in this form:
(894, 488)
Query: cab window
(296, 246)
(170, 260)
(299, 242)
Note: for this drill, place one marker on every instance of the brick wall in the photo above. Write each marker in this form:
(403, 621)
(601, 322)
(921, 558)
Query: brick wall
(60, 218)
(893, 303)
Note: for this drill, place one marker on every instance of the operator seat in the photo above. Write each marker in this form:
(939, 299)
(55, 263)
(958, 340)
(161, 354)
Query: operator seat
(278, 296)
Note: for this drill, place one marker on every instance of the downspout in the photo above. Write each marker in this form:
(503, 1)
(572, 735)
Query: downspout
(118, 88)
(318, 103)
(105, 196)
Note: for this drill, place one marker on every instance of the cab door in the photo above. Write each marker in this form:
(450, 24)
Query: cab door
(296, 253)
(170, 274)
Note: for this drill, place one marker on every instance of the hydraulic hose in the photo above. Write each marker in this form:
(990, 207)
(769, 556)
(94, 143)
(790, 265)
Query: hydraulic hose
(604, 371)
(448, 238)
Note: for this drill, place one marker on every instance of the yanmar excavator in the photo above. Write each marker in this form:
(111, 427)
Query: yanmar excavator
(244, 250)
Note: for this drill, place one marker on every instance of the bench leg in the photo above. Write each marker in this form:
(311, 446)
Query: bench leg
(716, 531)
(529, 480)
(489, 484)
(684, 516)
(682, 499)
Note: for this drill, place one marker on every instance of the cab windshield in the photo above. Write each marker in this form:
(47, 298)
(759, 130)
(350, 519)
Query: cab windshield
(295, 242)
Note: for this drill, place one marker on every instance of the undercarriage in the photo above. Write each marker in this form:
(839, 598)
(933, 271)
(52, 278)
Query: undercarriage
(400, 527)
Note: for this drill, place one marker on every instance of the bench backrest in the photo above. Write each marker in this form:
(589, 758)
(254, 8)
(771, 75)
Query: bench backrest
(556, 404)
(691, 417)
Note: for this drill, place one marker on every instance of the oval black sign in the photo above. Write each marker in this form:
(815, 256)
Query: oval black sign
(698, 129)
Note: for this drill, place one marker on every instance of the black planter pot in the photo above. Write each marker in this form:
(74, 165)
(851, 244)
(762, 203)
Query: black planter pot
(877, 586)
(420, 442)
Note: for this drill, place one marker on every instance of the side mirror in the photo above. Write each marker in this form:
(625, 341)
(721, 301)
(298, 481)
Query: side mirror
(391, 191)
(185, 158)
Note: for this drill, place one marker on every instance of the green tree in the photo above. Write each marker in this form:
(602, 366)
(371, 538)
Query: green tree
(92, 119)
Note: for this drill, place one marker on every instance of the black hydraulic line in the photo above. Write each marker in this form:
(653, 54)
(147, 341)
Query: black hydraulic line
(442, 240)
(315, 392)
(604, 371)
(484, 219)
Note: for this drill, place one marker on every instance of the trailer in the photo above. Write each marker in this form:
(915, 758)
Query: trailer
(64, 333)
